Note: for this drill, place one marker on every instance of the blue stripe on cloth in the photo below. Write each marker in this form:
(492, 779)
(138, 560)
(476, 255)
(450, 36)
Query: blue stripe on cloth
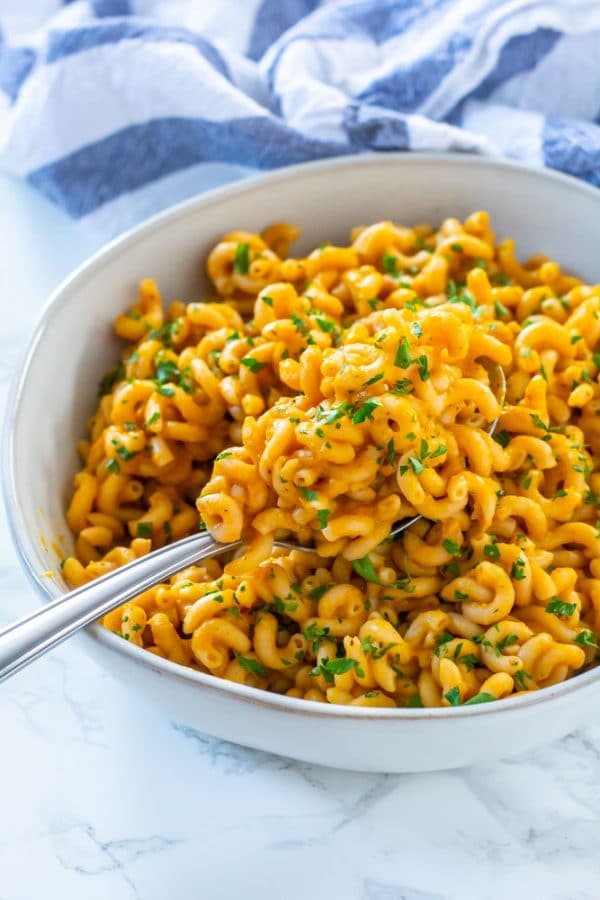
(77, 40)
(131, 158)
(389, 18)
(16, 64)
(272, 18)
(407, 87)
(520, 54)
(377, 22)
(573, 147)
(376, 129)
(105, 8)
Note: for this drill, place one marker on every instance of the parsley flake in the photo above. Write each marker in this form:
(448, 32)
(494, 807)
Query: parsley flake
(241, 259)
(560, 607)
(252, 665)
(253, 364)
(403, 359)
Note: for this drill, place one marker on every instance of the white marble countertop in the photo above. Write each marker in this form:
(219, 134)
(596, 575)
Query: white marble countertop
(102, 797)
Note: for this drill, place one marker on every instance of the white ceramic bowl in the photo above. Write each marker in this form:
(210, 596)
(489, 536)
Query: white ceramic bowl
(73, 346)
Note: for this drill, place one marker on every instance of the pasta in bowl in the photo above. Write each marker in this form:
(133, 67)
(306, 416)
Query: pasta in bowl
(326, 397)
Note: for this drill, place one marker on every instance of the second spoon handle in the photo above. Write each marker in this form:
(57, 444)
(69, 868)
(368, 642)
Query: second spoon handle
(35, 634)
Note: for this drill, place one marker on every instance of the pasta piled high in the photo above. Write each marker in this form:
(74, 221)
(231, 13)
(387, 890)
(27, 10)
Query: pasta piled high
(328, 397)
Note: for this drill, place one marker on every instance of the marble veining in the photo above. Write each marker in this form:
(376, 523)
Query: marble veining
(105, 797)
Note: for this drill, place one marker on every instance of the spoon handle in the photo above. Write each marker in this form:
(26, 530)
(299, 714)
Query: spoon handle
(40, 631)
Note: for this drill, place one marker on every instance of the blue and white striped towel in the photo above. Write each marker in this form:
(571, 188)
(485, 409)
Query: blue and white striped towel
(117, 108)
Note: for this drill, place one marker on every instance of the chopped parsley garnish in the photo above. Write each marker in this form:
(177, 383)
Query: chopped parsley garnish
(560, 607)
(166, 371)
(113, 466)
(416, 465)
(253, 364)
(506, 642)
(317, 592)
(153, 418)
(332, 415)
(144, 529)
(252, 665)
(284, 608)
(365, 412)
(301, 326)
(315, 634)
(500, 309)
(323, 516)
(440, 450)
(365, 568)
(123, 452)
(469, 661)
(374, 379)
(453, 696)
(517, 570)
(308, 495)
(539, 423)
(423, 366)
(404, 386)
(241, 260)
(267, 300)
(339, 666)
(502, 438)
(403, 359)
(452, 547)
(521, 677)
(456, 247)
(376, 652)
(391, 452)
(491, 551)
(325, 324)
(587, 638)
(389, 263)
(165, 333)
(444, 638)
(482, 697)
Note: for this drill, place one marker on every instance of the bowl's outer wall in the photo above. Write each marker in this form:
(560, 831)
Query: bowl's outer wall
(75, 346)
(376, 745)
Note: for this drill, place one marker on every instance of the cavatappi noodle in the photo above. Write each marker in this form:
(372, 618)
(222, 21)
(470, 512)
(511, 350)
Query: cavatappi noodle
(327, 397)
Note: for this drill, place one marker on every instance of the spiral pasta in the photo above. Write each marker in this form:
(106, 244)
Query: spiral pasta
(328, 397)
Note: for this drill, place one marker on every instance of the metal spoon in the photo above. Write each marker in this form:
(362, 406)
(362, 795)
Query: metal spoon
(32, 636)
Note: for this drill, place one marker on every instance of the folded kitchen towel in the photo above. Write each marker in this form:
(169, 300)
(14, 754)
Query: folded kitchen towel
(117, 108)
